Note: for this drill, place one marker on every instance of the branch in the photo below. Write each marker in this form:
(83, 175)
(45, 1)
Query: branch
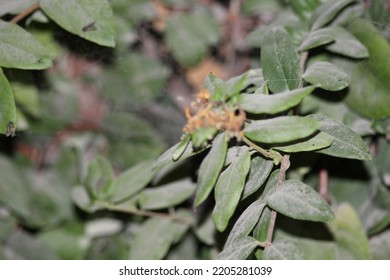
(25, 13)
(268, 154)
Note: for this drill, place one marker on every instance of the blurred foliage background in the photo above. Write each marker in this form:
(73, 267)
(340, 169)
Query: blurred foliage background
(127, 104)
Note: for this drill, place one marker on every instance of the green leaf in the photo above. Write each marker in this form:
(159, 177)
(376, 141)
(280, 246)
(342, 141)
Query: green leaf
(281, 129)
(273, 103)
(19, 49)
(246, 222)
(346, 44)
(205, 231)
(7, 107)
(91, 20)
(228, 190)
(167, 195)
(319, 141)
(99, 179)
(380, 246)
(282, 249)
(299, 201)
(152, 240)
(279, 61)
(15, 7)
(239, 250)
(27, 97)
(349, 234)
(189, 35)
(259, 172)
(345, 142)
(305, 8)
(317, 38)
(202, 135)
(183, 144)
(327, 12)
(210, 168)
(327, 76)
(223, 90)
(369, 94)
(132, 181)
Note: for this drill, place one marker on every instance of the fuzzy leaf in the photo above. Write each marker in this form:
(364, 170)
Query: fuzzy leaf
(327, 76)
(319, 141)
(239, 250)
(281, 129)
(210, 168)
(19, 49)
(7, 107)
(345, 142)
(132, 181)
(305, 8)
(273, 103)
(346, 44)
(89, 19)
(279, 61)
(167, 195)
(282, 249)
(327, 12)
(246, 222)
(99, 178)
(228, 190)
(317, 38)
(259, 172)
(299, 201)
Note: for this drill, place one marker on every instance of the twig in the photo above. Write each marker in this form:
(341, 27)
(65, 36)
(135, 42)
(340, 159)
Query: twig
(146, 213)
(268, 154)
(323, 178)
(285, 164)
(25, 13)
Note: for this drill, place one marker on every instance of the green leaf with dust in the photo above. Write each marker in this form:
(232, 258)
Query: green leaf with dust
(189, 35)
(299, 201)
(327, 76)
(228, 190)
(349, 234)
(89, 19)
(210, 168)
(167, 195)
(7, 107)
(258, 174)
(345, 142)
(319, 141)
(100, 178)
(281, 129)
(181, 147)
(282, 249)
(369, 94)
(347, 44)
(317, 38)
(153, 239)
(132, 181)
(279, 61)
(246, 222)
(273, 103)
(19, 49)
(327, 12)
(239, 250)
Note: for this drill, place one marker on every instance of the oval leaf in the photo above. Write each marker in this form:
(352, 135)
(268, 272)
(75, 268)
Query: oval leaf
(327, 12)
(246, 222)
(91, 20)
(282, 249)
(167, 195)
(228, 190)
(180, 149)
(239, 250)
(273, 103)
(210, 168)
(319, 141)
(132, 181)
(19, 49)
(7, 107)
(327, 76)
(279, 61)
(259, 172)
(281, 129)
(345, 142)
(346, 44)
(296, 200)
(317, 38)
